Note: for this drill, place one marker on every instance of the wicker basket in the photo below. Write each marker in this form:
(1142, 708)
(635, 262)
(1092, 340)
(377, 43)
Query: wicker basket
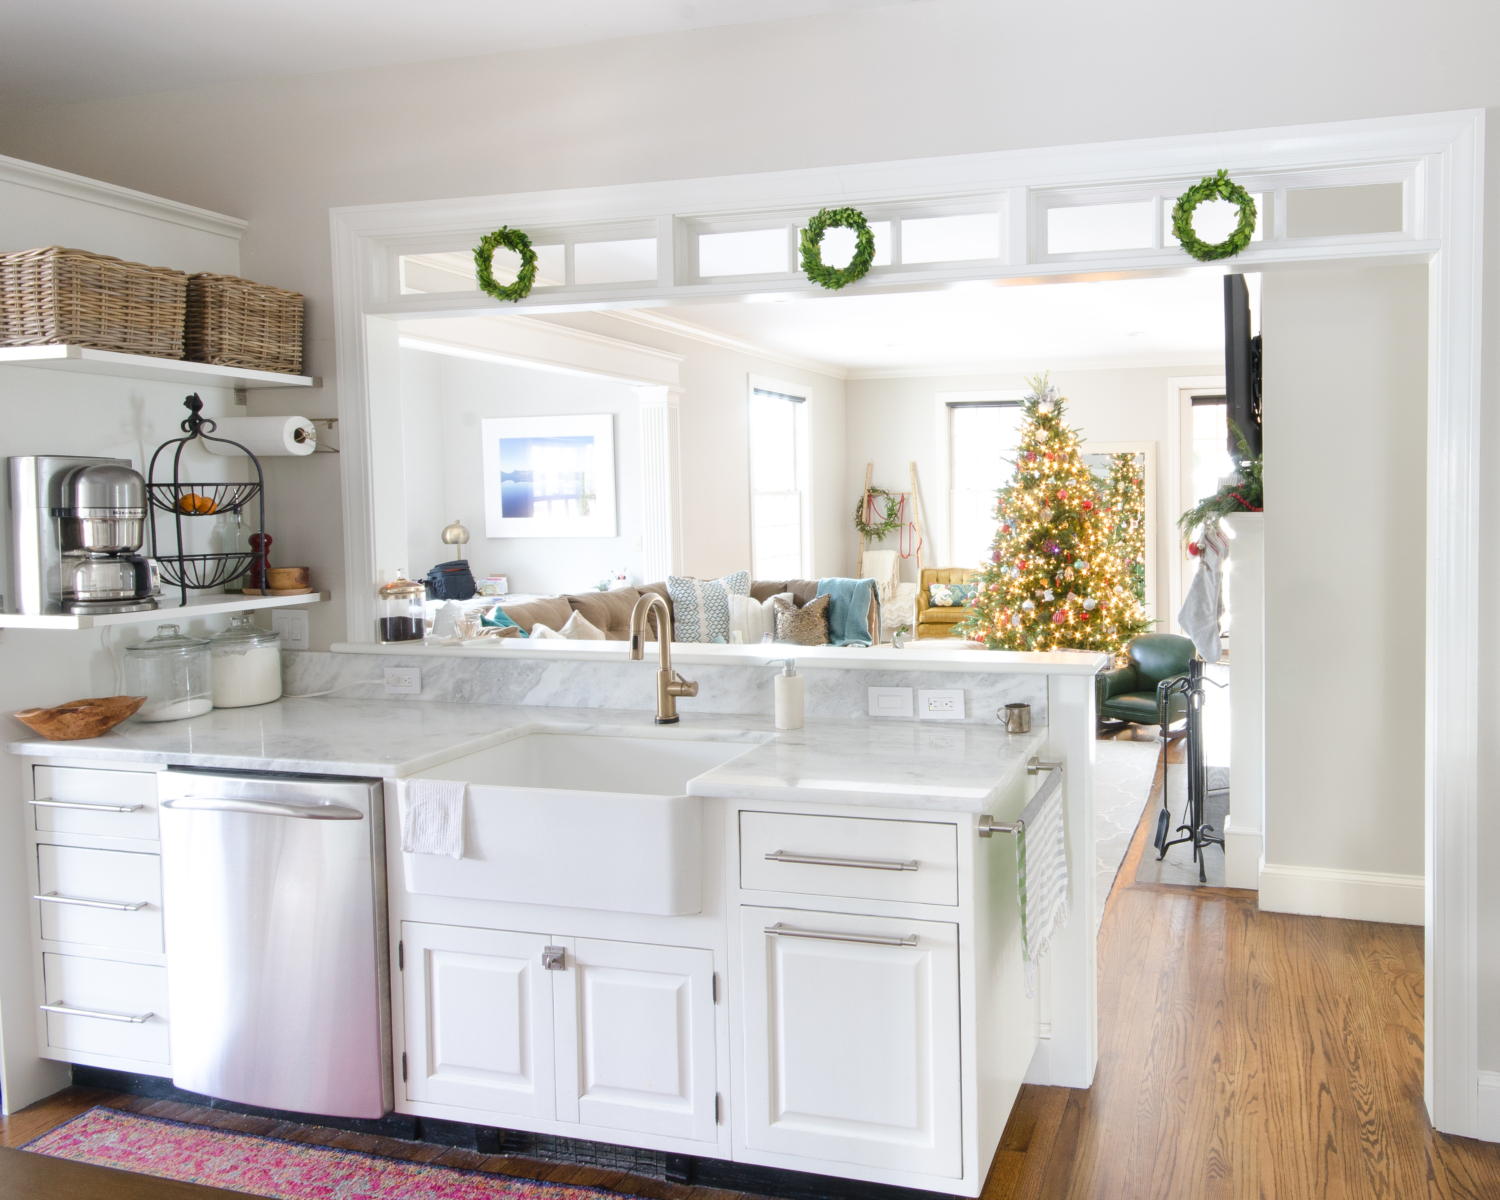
(236, 323)
(53, 295)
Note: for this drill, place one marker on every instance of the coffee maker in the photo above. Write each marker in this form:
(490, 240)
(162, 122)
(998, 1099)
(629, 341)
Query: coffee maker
(76, 526)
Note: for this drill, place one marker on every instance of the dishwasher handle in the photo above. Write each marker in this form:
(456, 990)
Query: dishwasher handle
(270, 808)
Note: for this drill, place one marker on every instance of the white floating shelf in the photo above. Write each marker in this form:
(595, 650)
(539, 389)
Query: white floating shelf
(143, 366)
(197, 606)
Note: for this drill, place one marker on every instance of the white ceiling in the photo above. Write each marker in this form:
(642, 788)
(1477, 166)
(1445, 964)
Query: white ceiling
(59, 51)
(1144, 322)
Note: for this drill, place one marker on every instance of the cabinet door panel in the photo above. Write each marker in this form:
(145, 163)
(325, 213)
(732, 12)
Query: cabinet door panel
(635, 1038)
(478, 1019)
(851, 1047)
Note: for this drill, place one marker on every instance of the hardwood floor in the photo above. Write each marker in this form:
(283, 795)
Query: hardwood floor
(1243, 1055)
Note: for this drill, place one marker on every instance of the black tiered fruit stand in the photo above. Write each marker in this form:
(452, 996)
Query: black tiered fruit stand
(198, 572)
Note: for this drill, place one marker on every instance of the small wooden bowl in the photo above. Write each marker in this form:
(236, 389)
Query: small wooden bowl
(281, 579)
(78, 719)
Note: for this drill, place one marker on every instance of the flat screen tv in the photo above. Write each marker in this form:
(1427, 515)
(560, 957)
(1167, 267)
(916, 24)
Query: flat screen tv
(1241, 368)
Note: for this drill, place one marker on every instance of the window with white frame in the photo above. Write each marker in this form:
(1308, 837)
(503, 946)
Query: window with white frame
(778, 485)
(982, 438)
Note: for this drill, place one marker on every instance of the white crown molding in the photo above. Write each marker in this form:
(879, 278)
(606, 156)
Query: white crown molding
(653, 319)
(78, 187)
(528, 342)
(979, 370)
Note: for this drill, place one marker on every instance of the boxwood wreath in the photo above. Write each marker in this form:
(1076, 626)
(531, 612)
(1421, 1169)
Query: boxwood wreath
(812, 247)
(867, 504)
(1212, 187)
(484, 262)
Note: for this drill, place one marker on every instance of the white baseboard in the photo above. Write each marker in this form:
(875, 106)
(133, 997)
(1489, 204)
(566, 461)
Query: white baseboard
(1489, 1107)
(1244, 848)
(1350, 895)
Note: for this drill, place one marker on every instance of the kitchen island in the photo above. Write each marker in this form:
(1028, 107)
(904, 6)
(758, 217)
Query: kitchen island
(831, 983)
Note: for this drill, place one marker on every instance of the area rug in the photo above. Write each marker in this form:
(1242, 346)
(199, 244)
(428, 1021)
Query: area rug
(109, 1137)
(1123, 772)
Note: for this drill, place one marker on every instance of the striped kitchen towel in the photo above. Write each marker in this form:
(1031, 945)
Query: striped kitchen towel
(1041, 873)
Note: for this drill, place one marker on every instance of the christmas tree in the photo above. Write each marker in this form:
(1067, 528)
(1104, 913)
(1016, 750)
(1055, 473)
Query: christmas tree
(1056, 579)
(1124, 500)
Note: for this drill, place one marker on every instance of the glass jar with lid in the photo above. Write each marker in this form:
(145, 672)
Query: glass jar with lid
(246, 664)
(400, 614)
(172, 671)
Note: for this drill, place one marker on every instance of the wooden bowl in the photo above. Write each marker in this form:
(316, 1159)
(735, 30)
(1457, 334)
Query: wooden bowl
(279, 579)
(79, 719)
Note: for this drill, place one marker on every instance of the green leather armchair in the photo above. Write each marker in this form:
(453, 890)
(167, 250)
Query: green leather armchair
(1129, 693)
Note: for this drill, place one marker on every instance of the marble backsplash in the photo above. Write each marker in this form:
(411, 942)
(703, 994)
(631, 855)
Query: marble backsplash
(740, 690)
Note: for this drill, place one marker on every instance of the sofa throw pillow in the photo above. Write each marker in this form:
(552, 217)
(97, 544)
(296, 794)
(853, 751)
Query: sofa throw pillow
(580, 629)
(805, 626)
(700, 607)
(752, 619)
(950, 595)
(544, 631)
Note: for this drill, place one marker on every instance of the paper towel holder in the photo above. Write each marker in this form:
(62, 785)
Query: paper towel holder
(320, 446)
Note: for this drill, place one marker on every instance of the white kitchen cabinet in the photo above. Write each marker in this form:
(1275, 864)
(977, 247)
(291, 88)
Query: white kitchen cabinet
(478, 1019)
(635, 1038)
(852, 1039)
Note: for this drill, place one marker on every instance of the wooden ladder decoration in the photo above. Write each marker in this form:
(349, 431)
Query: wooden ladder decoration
(916, 527)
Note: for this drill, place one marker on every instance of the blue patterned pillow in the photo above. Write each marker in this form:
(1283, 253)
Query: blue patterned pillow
(700, 607)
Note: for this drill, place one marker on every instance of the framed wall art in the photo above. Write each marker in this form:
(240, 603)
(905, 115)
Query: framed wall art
(549, 476)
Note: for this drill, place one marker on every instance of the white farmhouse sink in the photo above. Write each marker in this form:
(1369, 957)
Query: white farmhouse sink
(579, 820)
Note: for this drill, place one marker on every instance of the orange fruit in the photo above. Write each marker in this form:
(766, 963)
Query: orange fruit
(195, 504)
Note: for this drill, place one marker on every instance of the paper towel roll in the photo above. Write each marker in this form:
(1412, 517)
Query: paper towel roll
(264, 436)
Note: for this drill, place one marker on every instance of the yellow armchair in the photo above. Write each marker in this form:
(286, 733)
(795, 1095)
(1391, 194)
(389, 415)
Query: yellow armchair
(939, 622)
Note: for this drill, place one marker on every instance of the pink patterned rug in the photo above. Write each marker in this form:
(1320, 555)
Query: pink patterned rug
(109, 1137)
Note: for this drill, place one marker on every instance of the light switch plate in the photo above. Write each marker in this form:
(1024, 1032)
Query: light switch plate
(940, 704)
(403, 681)
(890, 702)
(291, 623)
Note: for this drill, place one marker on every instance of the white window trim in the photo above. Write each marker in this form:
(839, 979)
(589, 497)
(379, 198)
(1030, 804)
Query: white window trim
(1180, 393)
(804, 462)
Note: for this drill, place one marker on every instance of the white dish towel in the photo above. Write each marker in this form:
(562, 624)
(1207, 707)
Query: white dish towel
(1041, 874)
(432, 817)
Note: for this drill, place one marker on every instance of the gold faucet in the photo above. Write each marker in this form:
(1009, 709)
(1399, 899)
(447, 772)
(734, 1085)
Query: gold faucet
(669, 684)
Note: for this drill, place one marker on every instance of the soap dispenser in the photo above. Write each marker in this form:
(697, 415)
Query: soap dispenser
(789, 697)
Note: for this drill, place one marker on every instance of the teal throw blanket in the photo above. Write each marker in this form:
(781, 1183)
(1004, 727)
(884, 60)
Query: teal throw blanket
(848, 610)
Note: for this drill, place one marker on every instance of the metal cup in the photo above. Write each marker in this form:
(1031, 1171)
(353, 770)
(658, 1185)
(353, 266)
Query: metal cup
(1016, 718)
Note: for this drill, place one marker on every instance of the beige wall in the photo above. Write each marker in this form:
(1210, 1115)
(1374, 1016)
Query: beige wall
(1345, 386)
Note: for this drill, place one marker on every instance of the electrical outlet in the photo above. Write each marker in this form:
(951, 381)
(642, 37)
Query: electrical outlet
(403, 681)
(940, 704)
(890, 702)
(291, 623)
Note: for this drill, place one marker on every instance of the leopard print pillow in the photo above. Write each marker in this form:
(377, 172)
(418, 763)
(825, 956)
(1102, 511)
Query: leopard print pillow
(805, 626)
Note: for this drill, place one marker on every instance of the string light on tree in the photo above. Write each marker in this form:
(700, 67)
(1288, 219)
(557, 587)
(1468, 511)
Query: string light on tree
(1124, 501)
(1056, 578)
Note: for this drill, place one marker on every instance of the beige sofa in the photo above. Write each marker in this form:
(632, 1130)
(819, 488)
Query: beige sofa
(610, 611)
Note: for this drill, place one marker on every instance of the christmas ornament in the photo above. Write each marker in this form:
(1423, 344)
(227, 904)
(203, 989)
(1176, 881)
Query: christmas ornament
(1028, 606)
(1091, 604)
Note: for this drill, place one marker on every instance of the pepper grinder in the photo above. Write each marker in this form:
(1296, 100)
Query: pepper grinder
(260, 565)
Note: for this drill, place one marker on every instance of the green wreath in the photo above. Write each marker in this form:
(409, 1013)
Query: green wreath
(812, 242)
(892, 519)
(484, 262)
(1211, 187)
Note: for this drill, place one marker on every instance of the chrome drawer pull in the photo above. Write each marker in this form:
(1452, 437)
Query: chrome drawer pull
(113, 905)
(869, 939)
(68, 1010)
(816, 860)
(116, 808)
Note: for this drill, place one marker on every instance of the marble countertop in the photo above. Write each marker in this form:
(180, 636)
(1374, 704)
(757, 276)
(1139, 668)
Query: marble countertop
(901, 764)
(927, 654)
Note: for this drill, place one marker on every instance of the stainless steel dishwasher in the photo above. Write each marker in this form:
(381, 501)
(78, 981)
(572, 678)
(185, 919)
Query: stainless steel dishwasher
(273, 894)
